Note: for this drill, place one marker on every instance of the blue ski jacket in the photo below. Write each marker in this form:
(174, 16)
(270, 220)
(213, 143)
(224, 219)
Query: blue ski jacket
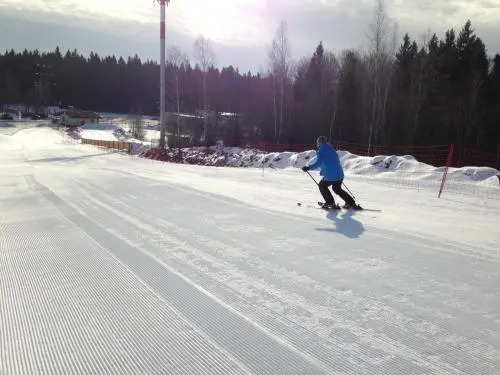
(329, 162)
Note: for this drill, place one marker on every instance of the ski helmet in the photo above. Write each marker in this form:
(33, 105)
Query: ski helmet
(321, 140)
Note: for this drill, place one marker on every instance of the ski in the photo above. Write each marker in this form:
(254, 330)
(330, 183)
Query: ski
(338, 208)
(357, 209)
(307, 205)
(364, 209)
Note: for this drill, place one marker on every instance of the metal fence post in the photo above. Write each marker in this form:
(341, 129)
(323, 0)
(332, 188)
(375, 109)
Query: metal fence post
(448, 165)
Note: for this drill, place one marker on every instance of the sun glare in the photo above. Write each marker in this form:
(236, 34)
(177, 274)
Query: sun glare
(231, 21)
(222, 20)
(219, 20)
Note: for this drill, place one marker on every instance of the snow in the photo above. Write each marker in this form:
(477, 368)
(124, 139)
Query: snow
(111, 131)
(151, 135)
(118, 128)
(101, 131)
(112, 263)
(403, 171)
(186, 115)
(392, 168)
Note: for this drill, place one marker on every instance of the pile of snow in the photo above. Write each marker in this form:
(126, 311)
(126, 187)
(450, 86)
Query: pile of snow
(112, 131)
(252, 158)
(393, 169)
(151, 129)
(37, 137)
(140, 148)
(408, 168)
(390, 168)
(151, 135)
(102, 131)
(228, 156)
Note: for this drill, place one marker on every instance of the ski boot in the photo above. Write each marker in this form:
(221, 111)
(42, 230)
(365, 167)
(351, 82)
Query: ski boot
(328, 206)
(355, 207)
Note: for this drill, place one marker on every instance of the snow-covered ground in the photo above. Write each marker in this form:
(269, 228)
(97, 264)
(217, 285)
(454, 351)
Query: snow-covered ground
(119, 264)
(123, 121)
(102, 131)
(403, 171)
(382, 168)
(13, 126)
(115, 130)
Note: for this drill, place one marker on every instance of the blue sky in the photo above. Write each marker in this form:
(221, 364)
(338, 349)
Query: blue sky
(241, 30)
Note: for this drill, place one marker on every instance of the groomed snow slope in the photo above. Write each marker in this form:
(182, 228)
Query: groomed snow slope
(113, 264)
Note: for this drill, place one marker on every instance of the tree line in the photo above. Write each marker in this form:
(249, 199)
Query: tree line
(439, 91)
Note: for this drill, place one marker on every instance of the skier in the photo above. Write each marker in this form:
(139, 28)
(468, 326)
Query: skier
(333, 175)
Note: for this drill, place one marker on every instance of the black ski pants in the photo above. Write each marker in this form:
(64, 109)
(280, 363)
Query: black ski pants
(337, 189)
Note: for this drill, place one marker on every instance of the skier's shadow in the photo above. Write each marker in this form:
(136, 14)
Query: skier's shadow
(345, 224)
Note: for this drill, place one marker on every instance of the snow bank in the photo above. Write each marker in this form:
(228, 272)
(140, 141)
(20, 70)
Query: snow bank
(407, 167)
(102, 131)
(139, 148)
(38, 137)
(151, 135)
(380, 167)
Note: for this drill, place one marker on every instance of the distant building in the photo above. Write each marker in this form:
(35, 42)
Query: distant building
(209, 123)
(77, 117)
(230, 129)
(223, 126)
(190, 126)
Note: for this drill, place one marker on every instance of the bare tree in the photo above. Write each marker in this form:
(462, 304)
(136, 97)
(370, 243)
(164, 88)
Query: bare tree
(425, 38)
(378, 57)
(205, 57)
(388, 74)
(179, 62)
(332, 71)
(280, 66)
(137, 125)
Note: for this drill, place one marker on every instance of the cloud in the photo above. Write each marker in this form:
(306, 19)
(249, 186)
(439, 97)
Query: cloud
(339, 24)
(88, 9)
(228, 21)
(418, 16)
(114, 37)
(240, 29)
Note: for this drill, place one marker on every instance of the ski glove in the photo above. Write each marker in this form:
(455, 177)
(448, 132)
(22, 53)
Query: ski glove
(305, 168)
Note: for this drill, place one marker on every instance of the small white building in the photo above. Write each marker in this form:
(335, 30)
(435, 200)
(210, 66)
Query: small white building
(76, 117)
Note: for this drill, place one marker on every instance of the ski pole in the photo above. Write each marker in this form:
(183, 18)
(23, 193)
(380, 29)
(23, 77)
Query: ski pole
(350, 192)
(310, 175)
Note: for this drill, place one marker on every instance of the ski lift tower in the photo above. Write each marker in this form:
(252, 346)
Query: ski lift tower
(163, 4)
